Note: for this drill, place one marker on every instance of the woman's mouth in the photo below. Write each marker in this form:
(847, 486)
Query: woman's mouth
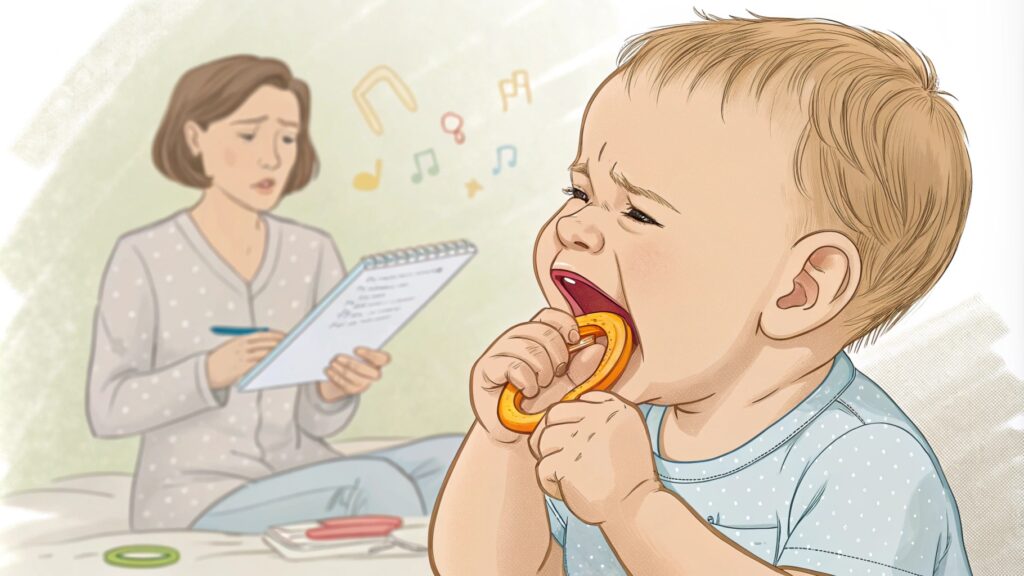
(585, 297)
(264, 186)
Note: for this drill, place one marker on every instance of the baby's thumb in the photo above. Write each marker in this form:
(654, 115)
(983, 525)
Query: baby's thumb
(584, 363)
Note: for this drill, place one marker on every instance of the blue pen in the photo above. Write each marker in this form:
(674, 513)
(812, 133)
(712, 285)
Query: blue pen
(237, 330)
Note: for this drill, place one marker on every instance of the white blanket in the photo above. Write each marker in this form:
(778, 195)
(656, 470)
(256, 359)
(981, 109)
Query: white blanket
(66, 526)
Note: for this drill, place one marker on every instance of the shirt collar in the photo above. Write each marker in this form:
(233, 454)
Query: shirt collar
(839, 377)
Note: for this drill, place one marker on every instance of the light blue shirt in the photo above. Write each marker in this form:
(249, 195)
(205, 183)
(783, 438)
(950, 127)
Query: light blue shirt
(842, 484)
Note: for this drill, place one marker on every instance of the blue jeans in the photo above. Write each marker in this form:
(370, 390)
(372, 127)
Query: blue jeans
(401, 481)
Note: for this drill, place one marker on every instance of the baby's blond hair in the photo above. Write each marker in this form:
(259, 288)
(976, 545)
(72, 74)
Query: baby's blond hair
(882, 157)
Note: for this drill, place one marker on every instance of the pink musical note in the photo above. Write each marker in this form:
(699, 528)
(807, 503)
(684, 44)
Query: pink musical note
(456, 130)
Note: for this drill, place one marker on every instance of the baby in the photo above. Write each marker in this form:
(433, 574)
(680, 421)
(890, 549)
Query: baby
(753, 196)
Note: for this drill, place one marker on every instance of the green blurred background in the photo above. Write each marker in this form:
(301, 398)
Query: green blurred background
(452, 56)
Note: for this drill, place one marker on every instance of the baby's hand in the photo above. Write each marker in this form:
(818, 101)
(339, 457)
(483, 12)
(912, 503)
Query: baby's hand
(531, 356)
(594, 454)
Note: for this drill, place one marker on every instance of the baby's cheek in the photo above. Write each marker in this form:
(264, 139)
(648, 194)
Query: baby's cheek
(680, 304)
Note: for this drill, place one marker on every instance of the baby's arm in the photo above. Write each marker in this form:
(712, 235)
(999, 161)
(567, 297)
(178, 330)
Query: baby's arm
(491, 517)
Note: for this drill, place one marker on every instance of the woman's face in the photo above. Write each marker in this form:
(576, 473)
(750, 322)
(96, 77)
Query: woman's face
(250, 153)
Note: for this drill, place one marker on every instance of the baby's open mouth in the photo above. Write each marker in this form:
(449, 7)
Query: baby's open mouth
(584, 297)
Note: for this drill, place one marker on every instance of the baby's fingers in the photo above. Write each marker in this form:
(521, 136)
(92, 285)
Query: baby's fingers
(501, 369)
(562, 321)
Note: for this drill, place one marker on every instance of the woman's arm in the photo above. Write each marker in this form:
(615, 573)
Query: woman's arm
(127, 394)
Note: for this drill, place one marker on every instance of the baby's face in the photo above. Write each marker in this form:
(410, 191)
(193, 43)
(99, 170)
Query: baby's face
(678, 220)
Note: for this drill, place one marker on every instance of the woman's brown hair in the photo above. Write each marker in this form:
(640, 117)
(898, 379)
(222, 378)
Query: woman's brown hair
(213, 91)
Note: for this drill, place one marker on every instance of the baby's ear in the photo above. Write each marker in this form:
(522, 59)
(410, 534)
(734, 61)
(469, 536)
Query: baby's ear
(817, 282)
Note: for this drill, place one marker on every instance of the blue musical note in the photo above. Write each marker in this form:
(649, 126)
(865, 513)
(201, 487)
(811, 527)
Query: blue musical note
(511, 161)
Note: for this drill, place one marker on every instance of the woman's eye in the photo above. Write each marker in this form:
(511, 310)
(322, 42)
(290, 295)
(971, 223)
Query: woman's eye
(247, 137)
(288, 139)
(576, 193)
(641, 217)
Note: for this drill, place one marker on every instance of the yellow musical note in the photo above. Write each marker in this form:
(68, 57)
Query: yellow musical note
(372, 78)
(509, 87)
(473, 187)
(366, 181)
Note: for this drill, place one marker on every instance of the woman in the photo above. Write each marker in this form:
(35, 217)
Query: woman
(213, 458)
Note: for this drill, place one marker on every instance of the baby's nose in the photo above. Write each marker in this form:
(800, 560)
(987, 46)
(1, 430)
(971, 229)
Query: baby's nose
(574, 233)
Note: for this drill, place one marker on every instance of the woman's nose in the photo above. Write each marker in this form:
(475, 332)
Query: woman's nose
(576, 233)
(269, 157)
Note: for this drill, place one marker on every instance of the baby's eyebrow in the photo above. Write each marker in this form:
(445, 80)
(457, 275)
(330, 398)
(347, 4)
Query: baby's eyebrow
(580, 168)
(621, 180)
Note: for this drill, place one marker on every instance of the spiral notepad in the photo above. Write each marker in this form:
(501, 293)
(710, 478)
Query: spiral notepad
(367, 308)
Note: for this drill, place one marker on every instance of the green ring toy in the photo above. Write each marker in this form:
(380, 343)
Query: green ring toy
(141, 556)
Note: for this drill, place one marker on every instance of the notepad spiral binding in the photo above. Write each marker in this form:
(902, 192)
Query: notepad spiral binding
(419, 253)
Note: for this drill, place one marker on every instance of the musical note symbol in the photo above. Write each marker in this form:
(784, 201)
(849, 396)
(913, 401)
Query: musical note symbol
(509, 87)
(366, 181)
(457, 130)
(372, 78)
(432, 170)
(473, 187)
(511, 162)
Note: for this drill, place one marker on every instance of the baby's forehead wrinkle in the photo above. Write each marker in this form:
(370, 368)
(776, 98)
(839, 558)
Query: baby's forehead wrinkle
(601, 151)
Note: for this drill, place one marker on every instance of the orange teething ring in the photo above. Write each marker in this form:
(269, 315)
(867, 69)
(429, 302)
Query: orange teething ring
(613, 363)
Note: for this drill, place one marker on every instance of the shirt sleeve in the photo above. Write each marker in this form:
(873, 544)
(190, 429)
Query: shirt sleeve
(127, 393)
(316, 416)
(872, 503)
(557, 519)
(320, 418)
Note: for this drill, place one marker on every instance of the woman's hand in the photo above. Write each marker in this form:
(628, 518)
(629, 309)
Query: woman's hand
(232, 359)
(349, 376)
